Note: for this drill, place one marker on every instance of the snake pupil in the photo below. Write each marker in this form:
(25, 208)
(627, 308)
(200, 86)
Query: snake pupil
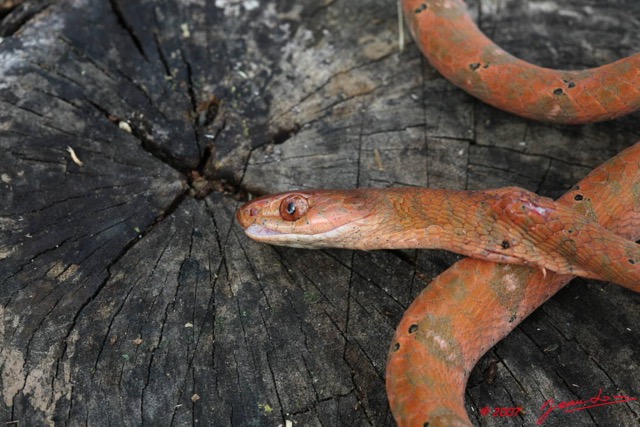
(291, 208)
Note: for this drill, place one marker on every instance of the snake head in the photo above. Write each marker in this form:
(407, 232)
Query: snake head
(305, 219)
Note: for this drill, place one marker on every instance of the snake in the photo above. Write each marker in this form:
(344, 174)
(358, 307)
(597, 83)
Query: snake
(523, 247)
(476, 302)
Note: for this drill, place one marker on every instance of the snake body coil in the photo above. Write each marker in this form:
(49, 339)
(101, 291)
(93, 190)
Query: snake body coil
(455, 46)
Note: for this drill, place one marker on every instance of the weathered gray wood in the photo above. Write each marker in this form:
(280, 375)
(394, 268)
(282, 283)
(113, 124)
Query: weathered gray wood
(125, 300)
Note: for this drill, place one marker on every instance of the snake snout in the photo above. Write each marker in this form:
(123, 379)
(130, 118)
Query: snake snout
(247, 214)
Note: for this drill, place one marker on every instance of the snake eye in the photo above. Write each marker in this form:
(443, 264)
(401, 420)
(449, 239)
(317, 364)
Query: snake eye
(293, 207)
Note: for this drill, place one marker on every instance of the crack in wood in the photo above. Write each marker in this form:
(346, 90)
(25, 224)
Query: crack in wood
(128, 27)
(16, 15)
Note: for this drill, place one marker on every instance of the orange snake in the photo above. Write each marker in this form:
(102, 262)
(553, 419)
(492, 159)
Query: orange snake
(476, 302)
(438, 342)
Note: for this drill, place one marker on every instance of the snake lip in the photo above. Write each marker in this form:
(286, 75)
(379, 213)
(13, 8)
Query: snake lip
(257, 232)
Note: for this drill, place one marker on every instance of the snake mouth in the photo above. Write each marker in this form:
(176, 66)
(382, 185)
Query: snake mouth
(278, 238)
(259, 232)
(334, 238)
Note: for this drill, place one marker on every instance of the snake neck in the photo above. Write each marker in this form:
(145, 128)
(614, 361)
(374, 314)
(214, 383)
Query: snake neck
(504, 225)
(430, 219)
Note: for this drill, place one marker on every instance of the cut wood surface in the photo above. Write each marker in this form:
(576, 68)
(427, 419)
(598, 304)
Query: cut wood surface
(130, 132)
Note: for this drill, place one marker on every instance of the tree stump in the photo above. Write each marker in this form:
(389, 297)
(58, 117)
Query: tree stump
(131, 130)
